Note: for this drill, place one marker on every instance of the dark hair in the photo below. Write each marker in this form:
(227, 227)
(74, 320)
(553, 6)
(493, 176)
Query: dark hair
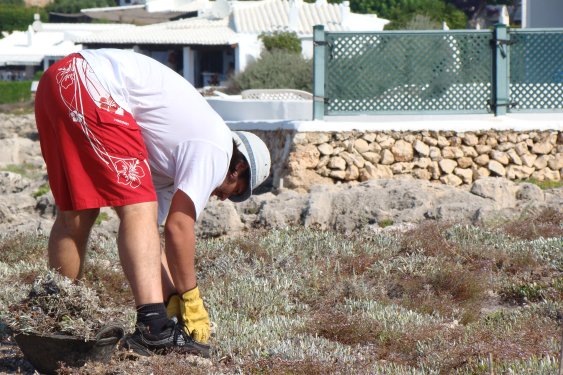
(236, 158)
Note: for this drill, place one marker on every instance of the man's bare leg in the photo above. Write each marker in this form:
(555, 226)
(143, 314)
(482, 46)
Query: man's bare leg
(68, 240)
(139, 251)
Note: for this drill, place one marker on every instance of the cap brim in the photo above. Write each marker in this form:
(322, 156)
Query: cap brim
(242, 147)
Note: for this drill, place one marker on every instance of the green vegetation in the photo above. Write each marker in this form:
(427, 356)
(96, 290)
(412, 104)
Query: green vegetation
(547, 184)
(18, 91)
(280, 66)
(281, 40)
(273, 70)
(27, 170)
(385, 223)
(14, 16)
(436, 299)
(42, 190)
(74, 6)
(103, 216)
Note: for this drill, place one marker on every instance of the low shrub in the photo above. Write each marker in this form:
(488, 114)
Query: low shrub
(14, 91)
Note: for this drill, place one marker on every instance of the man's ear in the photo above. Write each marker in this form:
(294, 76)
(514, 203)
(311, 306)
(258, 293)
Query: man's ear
(239, 169)
(241, 166)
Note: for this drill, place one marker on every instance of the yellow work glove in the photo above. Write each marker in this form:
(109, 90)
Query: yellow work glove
(194, 316)
(173, 307)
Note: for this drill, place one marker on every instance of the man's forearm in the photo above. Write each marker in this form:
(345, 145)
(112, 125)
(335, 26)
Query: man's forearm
(180, 253)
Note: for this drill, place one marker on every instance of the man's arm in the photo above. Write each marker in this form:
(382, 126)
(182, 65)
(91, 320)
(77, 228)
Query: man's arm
(179, 234)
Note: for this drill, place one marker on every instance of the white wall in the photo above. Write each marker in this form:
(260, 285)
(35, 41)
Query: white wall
(542, 13)
(247, 51)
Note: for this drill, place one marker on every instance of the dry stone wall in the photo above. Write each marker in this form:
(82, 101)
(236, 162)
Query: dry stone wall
(446, 157)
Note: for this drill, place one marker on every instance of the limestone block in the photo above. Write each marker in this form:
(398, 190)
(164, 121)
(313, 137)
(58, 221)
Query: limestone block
(518, 172)
(430, 141)
(9, 151)
(521, 148)
(482, 159)
(361, 146)
(493, 142)
(542, 148)
(306, 156)
(422, 163)
(466, 174)
(339, 175)
(402, 167)
(325, 149)
(465, 162)
(336, 162)
(317, 138)
(529, 142)
(443, 141)
(304, 179)
(530, 192)
(451, 152)
(500, 190)
(375, 147)
(402, 151)
(385, 141)
(372, 157)
(451, 180)
(435, 171)
(422, 174)
(528, 159)
(455, 141)
(323, 161)
(369, 137)
(371, 171)
(435, 153)
(551, 175)
(300, 139)
(496, 168)
(469, 151)
(512, 137)
(447, 165)
(541, 162)
(352, 173)
(514, 157)
(480, 172)
(470, 139)
(387, 157)
(422, 148)
(556, 162)
(483, 149)
(505, 146)
(499, 156)
(523, 137)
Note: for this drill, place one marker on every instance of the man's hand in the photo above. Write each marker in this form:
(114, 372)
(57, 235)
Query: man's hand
(194, 316)
(173, 307)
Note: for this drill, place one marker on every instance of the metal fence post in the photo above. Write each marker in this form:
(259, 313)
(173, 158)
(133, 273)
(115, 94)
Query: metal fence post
(319, 64)
(501, 100)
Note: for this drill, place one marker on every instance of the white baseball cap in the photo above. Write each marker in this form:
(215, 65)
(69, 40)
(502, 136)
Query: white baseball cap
(258, 157)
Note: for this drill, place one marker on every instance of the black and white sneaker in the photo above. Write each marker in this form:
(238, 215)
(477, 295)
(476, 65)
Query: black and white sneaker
(172, 338)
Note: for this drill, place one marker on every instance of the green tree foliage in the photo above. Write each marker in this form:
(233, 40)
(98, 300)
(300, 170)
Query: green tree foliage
(400, 12)
(74, 6)
(17, 17)
(281, 40)
(274, 70)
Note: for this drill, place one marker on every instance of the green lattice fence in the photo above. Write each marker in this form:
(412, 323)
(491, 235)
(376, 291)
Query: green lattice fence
(424, 72)
(536, 70)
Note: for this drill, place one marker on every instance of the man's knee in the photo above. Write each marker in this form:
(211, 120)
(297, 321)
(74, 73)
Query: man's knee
(77, 222)
(140, 211)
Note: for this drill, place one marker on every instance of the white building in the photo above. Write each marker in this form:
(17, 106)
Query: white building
(22, 53)
(224, 35)
(542, 13)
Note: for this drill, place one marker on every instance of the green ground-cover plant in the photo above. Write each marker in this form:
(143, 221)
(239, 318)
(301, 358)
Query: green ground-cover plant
(437, 299)
(545, 184)
(16, 91)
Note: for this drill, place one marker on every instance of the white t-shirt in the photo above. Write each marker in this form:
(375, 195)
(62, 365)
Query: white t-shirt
(189, 144)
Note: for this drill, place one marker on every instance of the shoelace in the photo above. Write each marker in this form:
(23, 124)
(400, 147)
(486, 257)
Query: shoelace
(179, 332)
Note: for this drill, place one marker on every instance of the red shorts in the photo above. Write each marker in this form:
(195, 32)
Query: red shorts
(94, 150)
